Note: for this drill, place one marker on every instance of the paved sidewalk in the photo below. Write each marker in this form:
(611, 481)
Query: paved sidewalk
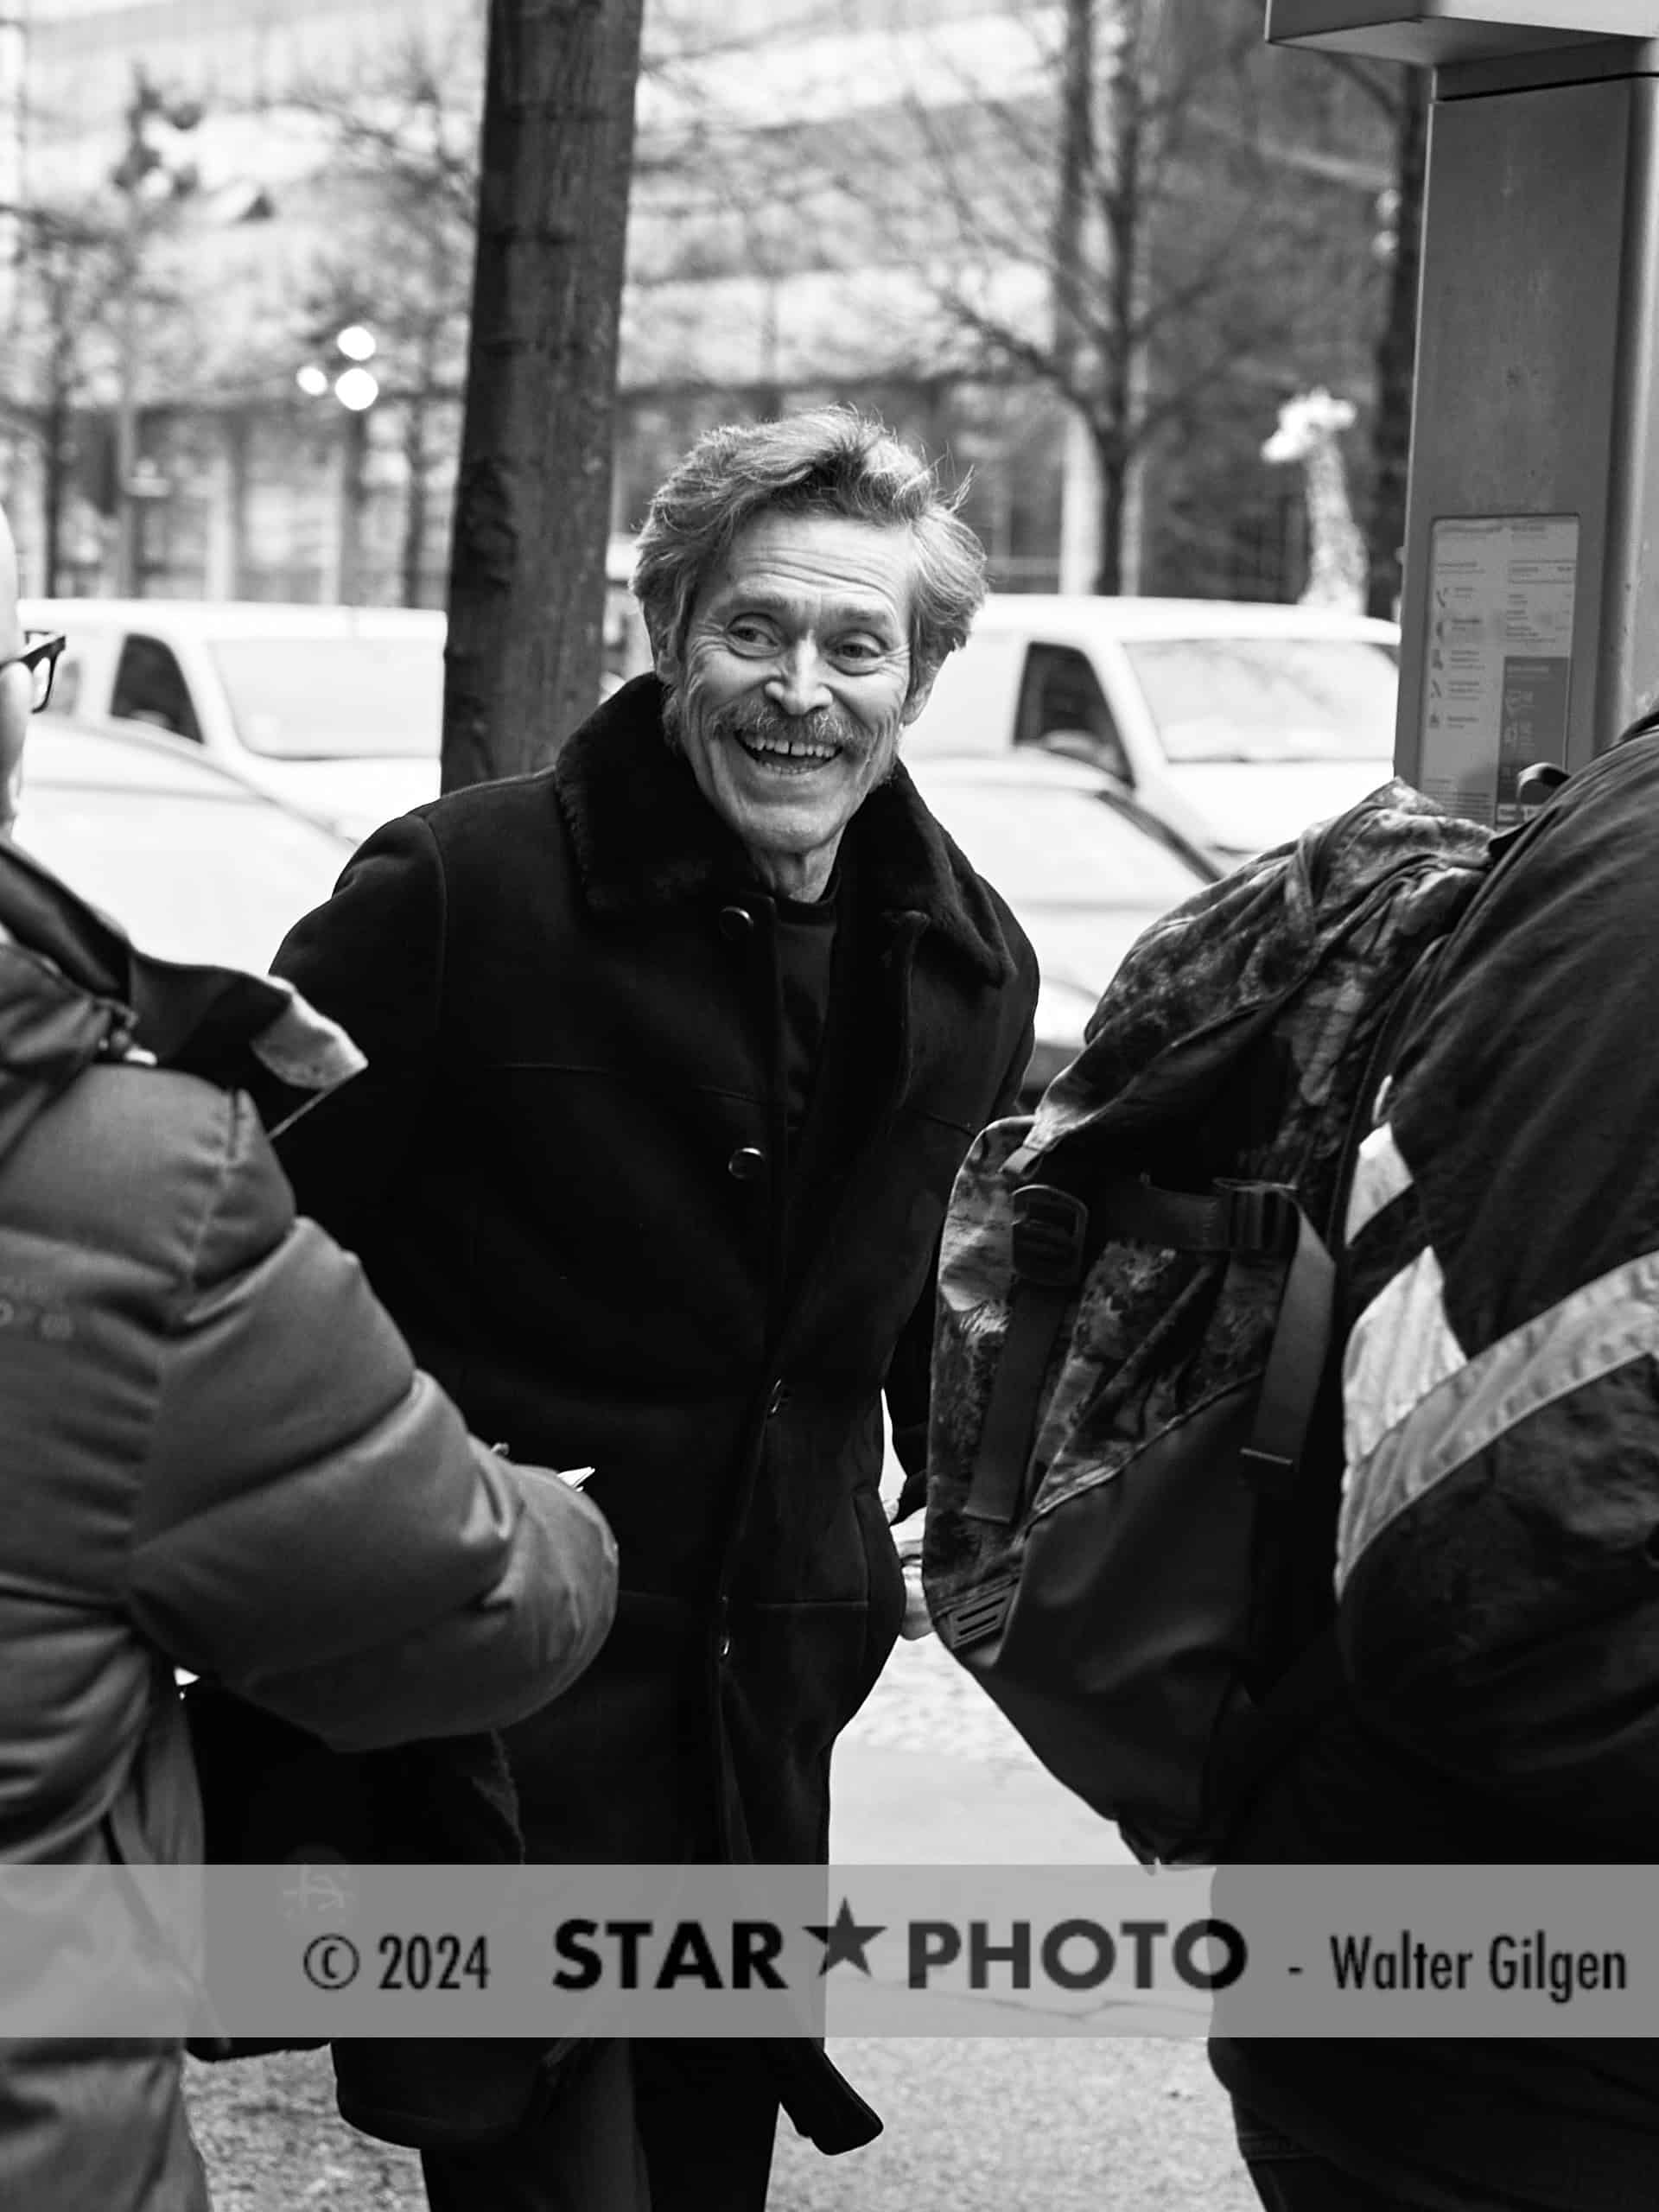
(931, 1774)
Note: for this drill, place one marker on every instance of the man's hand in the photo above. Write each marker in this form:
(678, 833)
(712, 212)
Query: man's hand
(908, 1545)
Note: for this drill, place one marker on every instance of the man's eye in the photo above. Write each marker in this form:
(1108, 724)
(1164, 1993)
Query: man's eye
(859, 651)
(749, 634)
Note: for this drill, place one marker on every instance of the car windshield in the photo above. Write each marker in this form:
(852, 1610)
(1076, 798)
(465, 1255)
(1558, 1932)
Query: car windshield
(335, 698)
(1058, 847)
(1268, 698)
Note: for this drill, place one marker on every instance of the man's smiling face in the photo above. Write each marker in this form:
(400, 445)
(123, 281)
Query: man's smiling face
(793, 686)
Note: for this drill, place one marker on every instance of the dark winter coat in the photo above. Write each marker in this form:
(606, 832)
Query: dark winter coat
(214, 1452)
(566, 1173)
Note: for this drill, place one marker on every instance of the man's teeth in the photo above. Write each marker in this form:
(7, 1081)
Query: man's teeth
(796, 748)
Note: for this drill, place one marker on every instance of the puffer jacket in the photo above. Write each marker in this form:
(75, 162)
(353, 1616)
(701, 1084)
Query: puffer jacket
(216, 1453)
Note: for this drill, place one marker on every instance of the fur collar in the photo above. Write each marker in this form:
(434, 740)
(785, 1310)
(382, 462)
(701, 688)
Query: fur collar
(645, 836)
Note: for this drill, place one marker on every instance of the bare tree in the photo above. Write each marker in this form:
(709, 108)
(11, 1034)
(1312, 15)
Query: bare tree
(1066, 232)
(532, 507)
(1130, 205)
(402, 154)
(73, 269)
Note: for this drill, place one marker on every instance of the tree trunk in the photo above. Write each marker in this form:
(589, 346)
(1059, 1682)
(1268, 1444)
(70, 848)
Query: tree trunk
(55, 482)
(1076, 185)
(1114, 506)
(1071, 280)
(416, 463)
(1396, 356)
(354, 433)
(532, 503)
(1123, 206)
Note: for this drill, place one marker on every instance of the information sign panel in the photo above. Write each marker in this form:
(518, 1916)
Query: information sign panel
(1498, 668)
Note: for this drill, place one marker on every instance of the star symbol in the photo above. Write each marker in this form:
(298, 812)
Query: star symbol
(843, 1939)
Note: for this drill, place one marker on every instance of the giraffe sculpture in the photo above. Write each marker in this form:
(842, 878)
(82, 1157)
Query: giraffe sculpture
(1310, 427)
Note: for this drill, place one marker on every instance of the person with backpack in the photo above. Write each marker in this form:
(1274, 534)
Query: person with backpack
(1294, 1474)
(1498, 1610)
(216, 1454)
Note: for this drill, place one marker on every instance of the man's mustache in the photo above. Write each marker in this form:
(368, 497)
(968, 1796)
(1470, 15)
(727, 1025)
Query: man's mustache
(759, 718)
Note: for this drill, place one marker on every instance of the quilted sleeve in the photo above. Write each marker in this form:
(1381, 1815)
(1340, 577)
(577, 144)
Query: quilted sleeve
(315, 1529)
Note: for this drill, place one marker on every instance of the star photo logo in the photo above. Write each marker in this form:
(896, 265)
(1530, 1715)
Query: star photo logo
(1075, 1952)
(844, 1941)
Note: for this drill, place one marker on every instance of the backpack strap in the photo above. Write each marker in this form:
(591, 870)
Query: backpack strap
(1048, 1251)
(1314, 1686)
(1290, 1382)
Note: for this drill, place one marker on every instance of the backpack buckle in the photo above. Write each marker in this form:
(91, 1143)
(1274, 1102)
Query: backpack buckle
(979, 1615)
(1049, 1228)
(1262, 1220)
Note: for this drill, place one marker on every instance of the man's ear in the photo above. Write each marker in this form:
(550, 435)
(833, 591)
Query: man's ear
(921, 692)
(666, 662)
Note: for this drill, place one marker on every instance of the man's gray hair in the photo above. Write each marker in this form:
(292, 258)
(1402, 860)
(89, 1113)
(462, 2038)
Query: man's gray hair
(829, 461)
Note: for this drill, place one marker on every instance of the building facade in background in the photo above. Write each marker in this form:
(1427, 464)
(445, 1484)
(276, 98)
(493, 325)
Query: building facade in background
(852, 198)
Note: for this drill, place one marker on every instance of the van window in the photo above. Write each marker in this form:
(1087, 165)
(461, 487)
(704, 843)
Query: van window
(336, 698)
(1274, 698)
(1060, 691)
(149, 687)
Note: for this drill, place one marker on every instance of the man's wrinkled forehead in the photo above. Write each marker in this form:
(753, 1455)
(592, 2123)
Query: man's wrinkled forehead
(858, 572)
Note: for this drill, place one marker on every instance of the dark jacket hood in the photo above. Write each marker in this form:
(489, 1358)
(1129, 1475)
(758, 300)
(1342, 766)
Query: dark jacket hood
(645, 835)
(74, 990)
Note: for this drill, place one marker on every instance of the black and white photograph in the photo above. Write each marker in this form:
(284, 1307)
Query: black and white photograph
(829, 1214)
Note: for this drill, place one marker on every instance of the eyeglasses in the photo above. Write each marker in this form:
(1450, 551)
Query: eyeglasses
(41, 648)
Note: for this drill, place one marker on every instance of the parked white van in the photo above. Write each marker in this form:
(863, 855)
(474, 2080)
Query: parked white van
(1238, 723)
(334, 710)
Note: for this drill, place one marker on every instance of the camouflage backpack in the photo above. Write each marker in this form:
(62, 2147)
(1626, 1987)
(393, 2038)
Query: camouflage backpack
(1135, 1453)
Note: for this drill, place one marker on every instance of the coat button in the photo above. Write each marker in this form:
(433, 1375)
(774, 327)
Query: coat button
(747, 1164)
(736, 923)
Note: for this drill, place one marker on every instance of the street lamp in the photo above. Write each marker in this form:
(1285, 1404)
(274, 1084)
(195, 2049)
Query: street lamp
(147, 177)
(357, 389)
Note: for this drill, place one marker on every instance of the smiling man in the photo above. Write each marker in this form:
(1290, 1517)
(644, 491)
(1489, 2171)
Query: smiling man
(675, 1050)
